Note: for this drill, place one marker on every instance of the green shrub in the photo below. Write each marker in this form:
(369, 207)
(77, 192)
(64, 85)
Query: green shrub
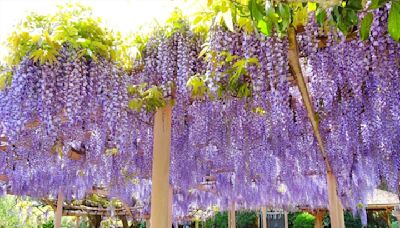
(304, 220)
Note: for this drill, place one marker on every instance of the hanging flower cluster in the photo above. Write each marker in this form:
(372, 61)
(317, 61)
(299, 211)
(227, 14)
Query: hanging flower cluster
(65, 124)
(240, 141)
(355, 89)
(240, 132)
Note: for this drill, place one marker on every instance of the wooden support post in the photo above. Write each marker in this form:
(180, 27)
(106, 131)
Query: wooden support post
(258, 220)
(264, 217)
(124, 221)
(387, 218)
(319, 218)
(160, 170)
(127, 209)
(232, 217)
(95, 220)
(335, 207)
(147, 223)
(77, 221)
(286, 220)
(229, 219)
(170, 201)
(58, 214)
(196, 224)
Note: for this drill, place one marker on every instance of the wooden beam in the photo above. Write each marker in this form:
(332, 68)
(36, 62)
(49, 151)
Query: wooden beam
(335, 207)
(58, 214)
(196, 224)
(264, 217)
(160, 169)
(3, 178)
(293, 55)
(33, 123)
(74, 155)
(381, 206)
(3, 143)
(98, 191)
(87, 213)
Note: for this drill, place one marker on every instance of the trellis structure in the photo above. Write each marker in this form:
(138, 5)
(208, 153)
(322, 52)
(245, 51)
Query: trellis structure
(162, 128)
(81, 209)
(161, 190)
(97, 128)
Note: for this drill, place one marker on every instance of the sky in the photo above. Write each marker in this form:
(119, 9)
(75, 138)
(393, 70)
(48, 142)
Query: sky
(120, 15)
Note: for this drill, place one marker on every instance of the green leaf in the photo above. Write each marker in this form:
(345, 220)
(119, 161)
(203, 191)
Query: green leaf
(321, 16)
(353, 17)
(227, 16)
(244, 90)
(253, 61)
(197, 85)
(260, 111)
(375, 4)
(203, 51)
(255, 10)
(284, 14)
(346, 19)
(312, 6)
(264, 27)
(3, 82)
(111, 151)
(354, 4)
(99, 45)
(239, 64)
(233, 81)
(299, 14)
(36, 55)
(394, 20)
(135, 104)
(197, 19)
(246, 24)
(366, 26)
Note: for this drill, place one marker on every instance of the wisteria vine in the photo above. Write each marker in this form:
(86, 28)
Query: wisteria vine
(240, 132)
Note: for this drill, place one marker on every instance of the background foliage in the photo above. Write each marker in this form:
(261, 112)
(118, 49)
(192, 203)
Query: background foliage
(304, 220)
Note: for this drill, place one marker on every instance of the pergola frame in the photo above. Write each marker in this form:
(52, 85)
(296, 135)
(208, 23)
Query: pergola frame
(162, 123)
(162, 192)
